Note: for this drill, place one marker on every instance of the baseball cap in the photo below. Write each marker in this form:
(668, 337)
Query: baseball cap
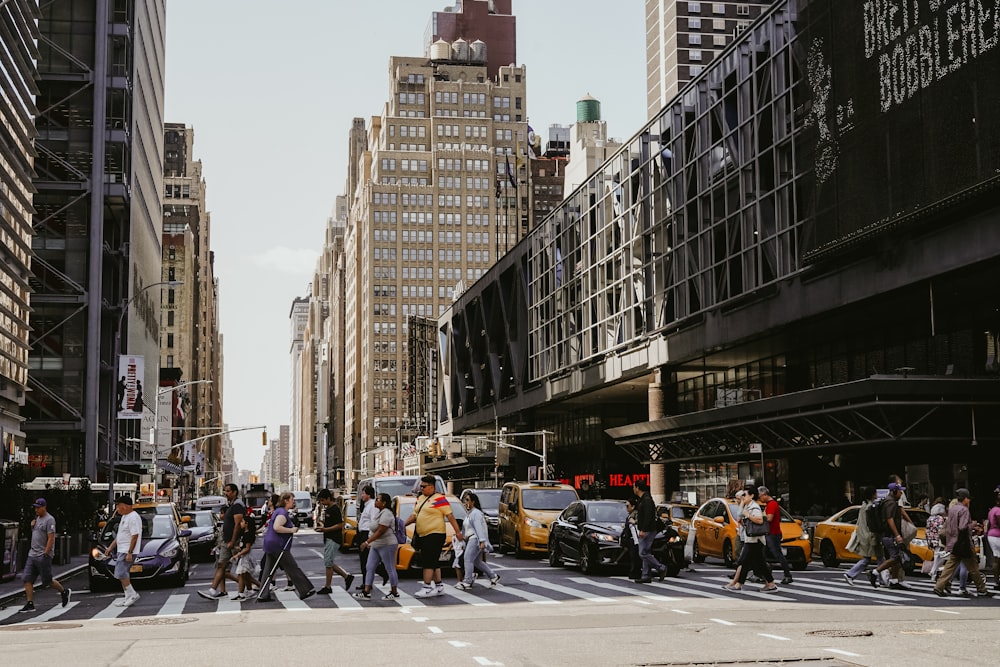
(39, 503)
(962, 493)
(127, 500)
(893, 486)
(761, 490)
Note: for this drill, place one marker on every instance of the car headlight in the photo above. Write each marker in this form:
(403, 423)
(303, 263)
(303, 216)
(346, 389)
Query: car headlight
(531, 523)
(169, 553)
(917, 542)
(805, 535)
(602, 537)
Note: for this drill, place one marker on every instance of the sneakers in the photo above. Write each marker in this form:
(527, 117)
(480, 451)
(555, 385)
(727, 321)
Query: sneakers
(129, 600)
(308, 595)
(962, 593)
(390, 596)
(28, 607)
(239, 597)
(66, 594)
(662, 574)
(769, 589)
(326, 590)
(732, 587)
(849, 579)
(873, 578)
(941, 593)
(289, 588)
(425, 592)
(495, 580)
(212, 594)
(787, 580)
(440, 589)
(462, 586)
(362, 595)
(348, 582)
(754, 579)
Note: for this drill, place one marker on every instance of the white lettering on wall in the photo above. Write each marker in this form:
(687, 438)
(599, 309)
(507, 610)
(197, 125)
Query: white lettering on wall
(916, 47)
(820, 83)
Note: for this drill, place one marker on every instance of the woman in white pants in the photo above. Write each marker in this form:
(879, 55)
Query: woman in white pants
(477, 543)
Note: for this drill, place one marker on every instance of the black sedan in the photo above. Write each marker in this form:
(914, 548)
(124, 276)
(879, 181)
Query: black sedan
(587, 533)
(162, 556)
(205, 528)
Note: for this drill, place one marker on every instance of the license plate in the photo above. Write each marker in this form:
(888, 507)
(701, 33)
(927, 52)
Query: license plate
(135, 568)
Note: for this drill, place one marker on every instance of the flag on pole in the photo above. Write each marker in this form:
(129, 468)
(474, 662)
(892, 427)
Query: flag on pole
(510, 172)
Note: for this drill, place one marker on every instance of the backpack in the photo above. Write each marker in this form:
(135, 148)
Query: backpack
(400, 530)
(874, 519)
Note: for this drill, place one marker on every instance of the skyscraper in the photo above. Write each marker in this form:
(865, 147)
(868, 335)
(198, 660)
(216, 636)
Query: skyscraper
(682, 37)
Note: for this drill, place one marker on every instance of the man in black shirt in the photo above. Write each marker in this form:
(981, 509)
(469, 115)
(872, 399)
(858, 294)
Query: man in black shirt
(896, 552)
(228, 542)
(332, 528)
(646, 522)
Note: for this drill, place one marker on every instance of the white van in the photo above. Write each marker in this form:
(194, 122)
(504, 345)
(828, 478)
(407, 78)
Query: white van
(303, 508)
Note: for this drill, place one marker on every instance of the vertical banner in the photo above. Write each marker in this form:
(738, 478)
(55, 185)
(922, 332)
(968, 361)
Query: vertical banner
(131, 370)
(164, 422)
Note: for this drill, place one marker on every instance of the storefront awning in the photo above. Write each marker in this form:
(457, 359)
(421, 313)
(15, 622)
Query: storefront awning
(879, 409)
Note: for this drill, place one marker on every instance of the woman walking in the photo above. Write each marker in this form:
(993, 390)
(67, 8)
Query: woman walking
(993, 537)
(477, 544)
(381, 544)
(864, 542)
(753, 545)
(277, 551)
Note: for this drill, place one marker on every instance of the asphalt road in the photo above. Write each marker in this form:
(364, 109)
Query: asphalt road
(554, 616)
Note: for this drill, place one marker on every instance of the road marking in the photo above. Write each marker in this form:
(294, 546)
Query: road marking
(689, 591)
(291, 601)
(458, 644)
(227, 606)
(7, 613)
(722, 621)
(487, 662)
(841, 652)
(583, 595)
(49, 615)
(419, 619)
(405, 610)
(623, 589)
(111, 611)
(778, 637)
(435, 630)
(859, 593)
(526, 595)
(344, 600)
(744, 591)
(946, 611)
(474, 600)
(174, 606)
(405, 599)
(680, 611)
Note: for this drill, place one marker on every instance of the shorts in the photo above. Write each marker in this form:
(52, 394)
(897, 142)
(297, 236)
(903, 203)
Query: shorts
(330, 549)
(429, 556)
(37, 566)
(994, 543)
(223, 555)
(122, 567)
(244, 565)
(896, 552)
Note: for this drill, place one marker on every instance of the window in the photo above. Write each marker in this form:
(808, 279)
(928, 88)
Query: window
(694, 40)
(170, 318)
(694, 54)
(694, 24)
(719, 8)
(170, 340)
(743, 10)
(170, 296)
(170, 361)
(694, 8)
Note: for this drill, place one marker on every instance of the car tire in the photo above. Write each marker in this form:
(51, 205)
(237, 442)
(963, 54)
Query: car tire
(828, 553)
(518, 553)
(728, 558)
(696, 554)
(588, 561)
(555, 559)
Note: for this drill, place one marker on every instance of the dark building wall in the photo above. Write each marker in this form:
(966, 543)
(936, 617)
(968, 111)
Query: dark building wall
(475, 21)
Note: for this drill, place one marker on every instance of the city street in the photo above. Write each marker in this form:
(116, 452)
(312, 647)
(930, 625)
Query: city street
(538, 615)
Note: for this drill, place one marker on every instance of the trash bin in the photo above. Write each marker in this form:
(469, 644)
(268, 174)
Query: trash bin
(62, 554)
(8, 566)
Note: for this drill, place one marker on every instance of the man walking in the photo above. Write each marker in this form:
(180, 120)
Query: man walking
(332, 527)
(127, 542)
(366, 522)
(772, 514)
(646, 522)
(958, 539)
(430, 513)
(892, 540)
(231, 522)
(43, 541)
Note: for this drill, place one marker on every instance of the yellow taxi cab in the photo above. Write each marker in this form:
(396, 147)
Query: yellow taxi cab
(716, 534)
(678, 514)
(350, 531)
(830, 537)
(527, 509)
(403, 507)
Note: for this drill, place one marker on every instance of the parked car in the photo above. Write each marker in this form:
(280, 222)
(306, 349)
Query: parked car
(831, 536)
(205, 527)
(678, 514)
(527, 509)
(403, 507)
(490, 501)
(715, 534)
(162, 557)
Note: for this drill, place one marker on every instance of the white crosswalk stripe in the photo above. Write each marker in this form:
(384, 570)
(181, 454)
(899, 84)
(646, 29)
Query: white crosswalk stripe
(623, 589)
(519, 592)
(54, 612)
(343, 599)
(405, 599)
(745, 591)
(111, 611)
(474, 600)
(227, 606)
(573, 592)
(687, 590)
(855, 593)
(174, 606)
(290, 600)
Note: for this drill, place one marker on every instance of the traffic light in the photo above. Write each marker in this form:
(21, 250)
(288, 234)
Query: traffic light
(263, 438)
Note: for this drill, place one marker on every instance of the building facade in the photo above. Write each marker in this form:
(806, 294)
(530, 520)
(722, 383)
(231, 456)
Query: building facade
(489, 21)
(683, 37)
(19, 23)
(301, 464)
(99, 181)
(789, 257)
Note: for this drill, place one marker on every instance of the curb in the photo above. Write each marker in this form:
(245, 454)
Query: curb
(6, 598)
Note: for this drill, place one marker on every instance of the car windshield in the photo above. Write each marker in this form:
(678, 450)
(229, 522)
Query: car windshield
(394, 487)
(489, 498)
(679, 512)
(161, 527)
(202, 519)
(606, 512)
(918, 517)
(406, 509)
(303, 503)
(548, 499)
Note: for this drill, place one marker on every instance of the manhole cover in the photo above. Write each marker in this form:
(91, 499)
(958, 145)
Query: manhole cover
(840, 633)
(169, 620)
(41, 626)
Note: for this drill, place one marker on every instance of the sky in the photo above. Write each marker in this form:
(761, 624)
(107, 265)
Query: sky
(271, 88)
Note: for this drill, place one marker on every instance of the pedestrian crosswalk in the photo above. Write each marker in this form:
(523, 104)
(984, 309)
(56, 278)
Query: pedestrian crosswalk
(814, 586)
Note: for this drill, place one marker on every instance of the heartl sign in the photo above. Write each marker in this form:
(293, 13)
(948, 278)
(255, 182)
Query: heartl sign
(627, 480)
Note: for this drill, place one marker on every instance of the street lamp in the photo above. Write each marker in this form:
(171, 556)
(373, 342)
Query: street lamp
(113, 426)
(544, 456)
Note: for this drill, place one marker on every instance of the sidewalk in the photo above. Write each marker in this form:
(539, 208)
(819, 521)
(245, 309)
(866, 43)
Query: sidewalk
(13, 589)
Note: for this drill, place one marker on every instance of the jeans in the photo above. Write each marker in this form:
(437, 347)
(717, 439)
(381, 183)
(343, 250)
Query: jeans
(774, 546)
(286, 561)
(474, 561)
(649, 562)
(387, 556)
(859, 567)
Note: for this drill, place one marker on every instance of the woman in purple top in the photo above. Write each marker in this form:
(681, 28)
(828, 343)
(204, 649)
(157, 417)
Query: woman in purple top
(993, 537)
(277, 550)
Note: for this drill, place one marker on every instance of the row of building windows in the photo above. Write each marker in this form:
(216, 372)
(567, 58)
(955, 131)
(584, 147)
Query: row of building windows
(451, 97)
(408, 148)
(456, 146)
(466, 113)
(718, 8)
(450, 164)
(389, 164)
(177, 191)
(411, 98)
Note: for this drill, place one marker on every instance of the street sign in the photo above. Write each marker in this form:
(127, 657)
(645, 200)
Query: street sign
(146, 451)
(756, 448)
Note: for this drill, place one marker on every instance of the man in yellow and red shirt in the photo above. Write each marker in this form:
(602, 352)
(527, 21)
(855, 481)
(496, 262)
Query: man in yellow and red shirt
(429, 514)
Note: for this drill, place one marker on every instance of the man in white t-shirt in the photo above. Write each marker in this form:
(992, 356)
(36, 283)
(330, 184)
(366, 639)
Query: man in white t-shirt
(128, 542)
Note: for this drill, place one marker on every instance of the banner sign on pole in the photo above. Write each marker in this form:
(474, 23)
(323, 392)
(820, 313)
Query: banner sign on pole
(131, 370)
(164, 422)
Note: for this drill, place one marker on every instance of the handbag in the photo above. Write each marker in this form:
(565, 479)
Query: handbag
(752, 529)
(908, 531)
